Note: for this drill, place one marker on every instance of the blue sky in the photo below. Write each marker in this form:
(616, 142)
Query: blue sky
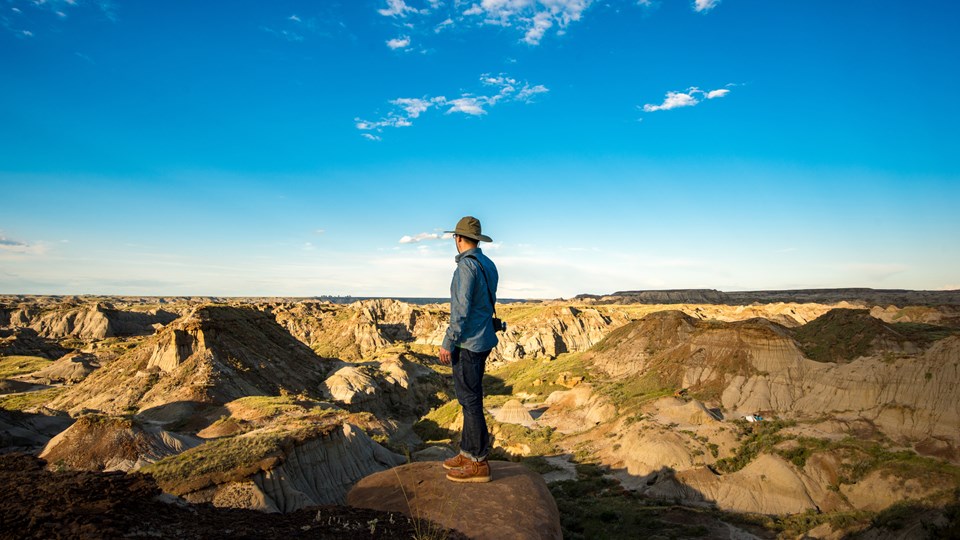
(307, 148)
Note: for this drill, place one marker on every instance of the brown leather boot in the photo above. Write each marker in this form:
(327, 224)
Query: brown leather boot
(456, 462)
(472, 471)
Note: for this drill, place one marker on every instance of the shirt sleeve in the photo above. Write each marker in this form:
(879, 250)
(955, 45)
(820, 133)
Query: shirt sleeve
(460, 298)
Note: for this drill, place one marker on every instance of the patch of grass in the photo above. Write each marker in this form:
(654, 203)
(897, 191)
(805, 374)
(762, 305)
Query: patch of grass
(435, 425)
(538, 464)
(269, 406)
(757, 438)
(923, 334)
(631, 392)
(230, 458)
(29, 400)
(521, 376)
(539, 440)
(11, 366)
(593, 506)
(842, 335)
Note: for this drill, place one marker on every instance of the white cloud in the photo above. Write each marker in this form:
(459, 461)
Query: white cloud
(533, 17)
(529, 91)
(399, 43)
(704, 5)
(443, 25)
(293, 18)
(397, 8)
(467, 105)
(692, 96)
(541, 23)
(412, 106)
(408, 109)
(674, 100)
(407, 239)
(370, 137)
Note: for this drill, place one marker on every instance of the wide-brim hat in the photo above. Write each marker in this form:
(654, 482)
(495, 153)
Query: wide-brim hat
(469, 226)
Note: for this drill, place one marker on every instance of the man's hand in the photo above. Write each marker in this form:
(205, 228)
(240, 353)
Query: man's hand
(444, 356)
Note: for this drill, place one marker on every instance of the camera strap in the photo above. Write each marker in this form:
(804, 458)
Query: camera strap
(493, 303)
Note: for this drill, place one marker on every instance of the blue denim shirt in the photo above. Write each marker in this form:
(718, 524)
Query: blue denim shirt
(470, 307)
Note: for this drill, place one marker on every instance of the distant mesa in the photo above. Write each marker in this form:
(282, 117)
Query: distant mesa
(865, 296)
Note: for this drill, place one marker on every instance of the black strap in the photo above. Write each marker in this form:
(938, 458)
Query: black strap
(493, 303)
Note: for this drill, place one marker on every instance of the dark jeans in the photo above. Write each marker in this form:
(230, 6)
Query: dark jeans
(468, 383)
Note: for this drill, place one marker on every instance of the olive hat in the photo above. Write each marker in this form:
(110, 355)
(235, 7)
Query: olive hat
(469, 226)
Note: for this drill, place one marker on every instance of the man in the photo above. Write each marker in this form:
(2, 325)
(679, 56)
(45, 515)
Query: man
(466, 345)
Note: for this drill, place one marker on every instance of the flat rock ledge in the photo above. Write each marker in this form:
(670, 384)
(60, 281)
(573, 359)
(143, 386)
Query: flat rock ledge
(516, 504)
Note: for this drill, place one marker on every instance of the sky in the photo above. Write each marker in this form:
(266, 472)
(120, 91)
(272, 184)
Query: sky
(251, 148)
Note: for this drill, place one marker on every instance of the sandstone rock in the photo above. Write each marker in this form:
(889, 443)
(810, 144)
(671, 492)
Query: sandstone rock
(212, 356)
(513, 412)
(685, 413)
(26, 342)
(881, 489)
(29, 432)
(98, 321)
(576, 410)
(281, 470)
(70, 369)
(100, 443)
(768, 485)
(516, 504)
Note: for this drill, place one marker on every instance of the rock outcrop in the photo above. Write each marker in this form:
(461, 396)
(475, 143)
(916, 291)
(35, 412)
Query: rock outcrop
(102, 443)
(275, 470)
(513, 412)
(29, 432)
(70, 369)
(213, 356)
(99, 321)
(26, 342)
(515, 504)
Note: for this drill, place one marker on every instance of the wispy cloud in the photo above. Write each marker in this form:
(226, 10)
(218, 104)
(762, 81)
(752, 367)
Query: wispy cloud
(405, 110)
(397, 8)
(701, 6)
(533, 17)
(416, 238)
(8, 245)
(688, 98)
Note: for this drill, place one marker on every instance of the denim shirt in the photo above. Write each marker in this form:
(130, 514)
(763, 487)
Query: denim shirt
(470, 308)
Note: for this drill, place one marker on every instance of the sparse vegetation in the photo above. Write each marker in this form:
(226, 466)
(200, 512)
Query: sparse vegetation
(756, 438)
(11, 366)
(29, 400)
(534, 376)
(228, 458)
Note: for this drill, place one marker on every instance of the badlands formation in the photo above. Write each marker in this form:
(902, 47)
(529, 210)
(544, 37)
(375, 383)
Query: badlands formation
(796, 414)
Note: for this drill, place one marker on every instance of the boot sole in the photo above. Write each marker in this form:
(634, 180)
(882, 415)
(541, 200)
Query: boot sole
(449, 468)
(470, 479)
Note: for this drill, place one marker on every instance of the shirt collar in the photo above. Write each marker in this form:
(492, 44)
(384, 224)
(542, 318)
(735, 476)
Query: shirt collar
(471, 251)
